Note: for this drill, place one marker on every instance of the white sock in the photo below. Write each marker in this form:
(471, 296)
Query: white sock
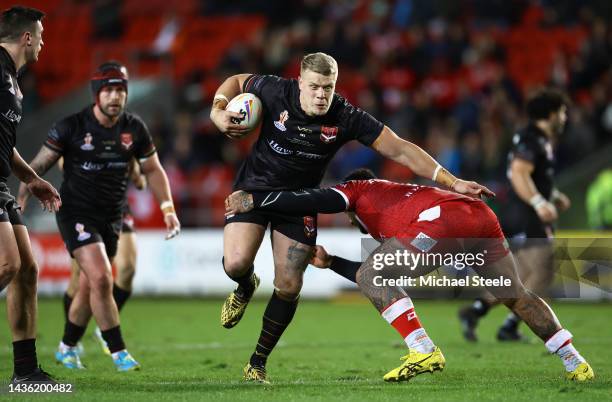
(420, 341)
(116, 354)
(64, 348)
(570, 357)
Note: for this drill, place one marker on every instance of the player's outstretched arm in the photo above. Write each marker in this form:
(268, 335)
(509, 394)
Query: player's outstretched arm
(421, 163)
(221, 117)
(158, 182)
(302, 202)
(343, 267)
(32, 183)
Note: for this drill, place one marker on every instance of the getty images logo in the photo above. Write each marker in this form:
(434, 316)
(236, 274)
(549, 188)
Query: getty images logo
(11, 116)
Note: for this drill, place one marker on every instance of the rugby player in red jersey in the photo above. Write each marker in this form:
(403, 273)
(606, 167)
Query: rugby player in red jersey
(421, 220)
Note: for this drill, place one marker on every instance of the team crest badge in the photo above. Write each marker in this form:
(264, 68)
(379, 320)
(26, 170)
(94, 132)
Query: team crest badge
(310, 230)
(87, 145)
(328, 134)
(280, 123)
(83, 235)
(126, 140)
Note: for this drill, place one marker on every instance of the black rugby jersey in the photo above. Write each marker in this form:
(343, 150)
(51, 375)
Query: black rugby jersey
(96, 159)
(532, 145)
(10, 111)
(294, 149)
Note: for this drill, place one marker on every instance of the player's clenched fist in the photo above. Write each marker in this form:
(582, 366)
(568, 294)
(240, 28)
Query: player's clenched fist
(238, 202)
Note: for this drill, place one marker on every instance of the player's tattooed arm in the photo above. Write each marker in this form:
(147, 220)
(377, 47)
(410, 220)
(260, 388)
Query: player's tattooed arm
(32, 183)
(302, 202)
(44, 160)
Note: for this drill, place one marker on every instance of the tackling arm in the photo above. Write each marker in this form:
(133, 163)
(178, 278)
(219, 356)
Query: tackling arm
(302, 202)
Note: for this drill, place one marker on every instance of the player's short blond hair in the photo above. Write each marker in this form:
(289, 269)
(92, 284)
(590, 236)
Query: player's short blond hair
(320, 63)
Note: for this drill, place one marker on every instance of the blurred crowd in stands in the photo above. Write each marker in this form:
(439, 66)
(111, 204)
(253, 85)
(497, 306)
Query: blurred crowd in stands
(450, 76)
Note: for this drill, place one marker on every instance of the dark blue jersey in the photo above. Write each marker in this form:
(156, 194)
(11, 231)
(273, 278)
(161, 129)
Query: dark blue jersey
(293, 149)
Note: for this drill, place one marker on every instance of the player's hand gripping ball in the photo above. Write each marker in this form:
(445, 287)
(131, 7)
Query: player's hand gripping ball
(249, 107)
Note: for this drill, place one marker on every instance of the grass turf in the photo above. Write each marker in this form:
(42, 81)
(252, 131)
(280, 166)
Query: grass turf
(332, 351)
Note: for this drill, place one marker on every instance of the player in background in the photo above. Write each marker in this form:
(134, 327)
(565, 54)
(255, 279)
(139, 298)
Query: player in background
(532, 208)
(125, 260)
(98, 144)
(421, 220)
(304, 124)
(20, 43)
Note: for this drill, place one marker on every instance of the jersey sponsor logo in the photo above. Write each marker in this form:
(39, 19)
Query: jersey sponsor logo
(87, 146)
(423, 242)
(310, 230)
(328, 134)
(280, 123)
(126, 140)
(91, 166)
(12, 116)
(278, 149)
(83, 235)
(309, 155)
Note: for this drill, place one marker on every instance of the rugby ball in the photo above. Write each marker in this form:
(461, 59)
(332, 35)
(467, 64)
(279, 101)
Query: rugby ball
(249, 106)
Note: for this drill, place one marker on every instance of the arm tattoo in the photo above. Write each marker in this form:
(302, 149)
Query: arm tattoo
(44, 160)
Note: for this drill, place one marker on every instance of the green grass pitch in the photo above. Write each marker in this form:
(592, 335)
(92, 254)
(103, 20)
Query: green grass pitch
(332, 351)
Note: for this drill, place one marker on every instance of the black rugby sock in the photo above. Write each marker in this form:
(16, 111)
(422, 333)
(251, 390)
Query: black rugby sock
(113, 339)
(67, 303)
(480, 307)
(246, 286)
(24, 357)
(276, 318)
(512, 322)
(121, 296)
(72, 333)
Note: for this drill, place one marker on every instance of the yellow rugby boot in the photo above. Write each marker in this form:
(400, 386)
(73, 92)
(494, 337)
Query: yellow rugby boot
(416, 363)
(583, 372)
(235, 305)
(255, 373)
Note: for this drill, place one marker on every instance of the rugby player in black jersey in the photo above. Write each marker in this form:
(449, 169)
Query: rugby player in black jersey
(20, 43)
(532, 208)
(125, 260)
(304, 124)
(98, 144)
